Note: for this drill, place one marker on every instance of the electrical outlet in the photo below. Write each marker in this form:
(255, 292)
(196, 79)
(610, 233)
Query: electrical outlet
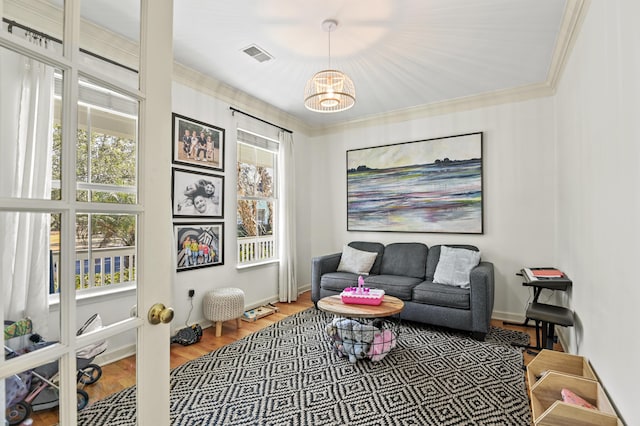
(191, 292)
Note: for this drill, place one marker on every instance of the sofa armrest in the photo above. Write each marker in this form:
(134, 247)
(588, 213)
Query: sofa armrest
(322, 265)
(482, 294)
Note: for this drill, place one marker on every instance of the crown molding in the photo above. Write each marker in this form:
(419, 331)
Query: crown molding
(242, 100)
(449, 106)
(237, 98)
(574, 14)
(126, 52)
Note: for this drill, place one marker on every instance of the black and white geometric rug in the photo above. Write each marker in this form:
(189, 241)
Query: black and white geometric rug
(287, 374)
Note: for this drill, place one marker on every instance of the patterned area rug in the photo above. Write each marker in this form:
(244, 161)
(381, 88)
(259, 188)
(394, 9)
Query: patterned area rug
(287, 374)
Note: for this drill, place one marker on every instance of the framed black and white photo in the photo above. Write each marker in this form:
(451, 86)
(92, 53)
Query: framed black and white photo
(197, 144)
(199, 245)
(197, 194)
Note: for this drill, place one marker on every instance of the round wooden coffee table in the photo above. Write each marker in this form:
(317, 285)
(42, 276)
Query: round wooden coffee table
(333, 304)
(382, 318)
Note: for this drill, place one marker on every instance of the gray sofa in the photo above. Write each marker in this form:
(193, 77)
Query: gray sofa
(406, 271)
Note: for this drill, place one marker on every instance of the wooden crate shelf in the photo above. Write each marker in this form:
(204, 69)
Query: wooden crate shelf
(548, 409)
(548, 360)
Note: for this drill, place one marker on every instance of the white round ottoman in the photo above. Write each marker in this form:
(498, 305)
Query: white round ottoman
(223, 304)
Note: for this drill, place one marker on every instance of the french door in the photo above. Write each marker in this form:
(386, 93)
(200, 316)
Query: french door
(85, 227)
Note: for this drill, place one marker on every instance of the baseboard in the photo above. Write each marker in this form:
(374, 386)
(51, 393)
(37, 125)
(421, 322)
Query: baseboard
(304, 288)
(115, 355)
(125, 351)
(562, 338)
(507, 316)
(273, 299)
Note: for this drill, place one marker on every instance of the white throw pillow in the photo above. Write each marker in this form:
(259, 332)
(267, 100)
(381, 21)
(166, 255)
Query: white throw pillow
(356, 261)
(455, 265)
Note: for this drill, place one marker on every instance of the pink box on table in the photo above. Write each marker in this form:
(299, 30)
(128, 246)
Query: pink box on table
(362, 296)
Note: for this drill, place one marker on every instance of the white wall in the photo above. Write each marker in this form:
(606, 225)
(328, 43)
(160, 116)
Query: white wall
(519, 188)
(112, 308)
(597, 104)
(260, 283)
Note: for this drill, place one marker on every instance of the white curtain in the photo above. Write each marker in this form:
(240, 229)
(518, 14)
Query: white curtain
(287, 283)
(26, 130)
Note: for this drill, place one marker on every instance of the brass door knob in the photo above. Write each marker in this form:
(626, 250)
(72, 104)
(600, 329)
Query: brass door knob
(160, 314)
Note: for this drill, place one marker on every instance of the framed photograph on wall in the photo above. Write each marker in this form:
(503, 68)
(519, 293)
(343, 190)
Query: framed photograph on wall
(432, 185)
(199, 245)
(197, 194)
(197, 144)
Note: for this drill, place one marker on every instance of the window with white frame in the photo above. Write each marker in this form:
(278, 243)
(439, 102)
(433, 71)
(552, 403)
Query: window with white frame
(106, 172)
(257, 198)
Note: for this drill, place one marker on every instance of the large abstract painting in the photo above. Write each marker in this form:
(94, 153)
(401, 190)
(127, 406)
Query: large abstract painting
(432, 185)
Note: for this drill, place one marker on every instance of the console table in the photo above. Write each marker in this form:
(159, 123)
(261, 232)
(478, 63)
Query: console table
(561, 284)
(546, 316)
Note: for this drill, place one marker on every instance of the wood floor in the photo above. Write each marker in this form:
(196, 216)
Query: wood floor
(121, 374)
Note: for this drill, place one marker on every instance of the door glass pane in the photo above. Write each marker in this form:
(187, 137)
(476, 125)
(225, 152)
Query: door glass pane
(105, 265)
(99, 375)
(56, 145)
(116, 375)
(30, 273)
(33, 394)
(25, 20)
(110, 37)
(107, 145)
(30, 123)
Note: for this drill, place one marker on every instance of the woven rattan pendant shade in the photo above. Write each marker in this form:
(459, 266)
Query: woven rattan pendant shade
(329, 90)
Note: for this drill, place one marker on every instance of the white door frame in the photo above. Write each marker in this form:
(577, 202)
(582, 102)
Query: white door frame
(156, 252)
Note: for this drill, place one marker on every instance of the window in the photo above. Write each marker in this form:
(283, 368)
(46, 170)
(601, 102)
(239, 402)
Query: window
(257, 198)
(106, 172)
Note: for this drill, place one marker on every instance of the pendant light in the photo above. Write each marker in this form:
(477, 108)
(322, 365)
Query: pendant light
(329, 90)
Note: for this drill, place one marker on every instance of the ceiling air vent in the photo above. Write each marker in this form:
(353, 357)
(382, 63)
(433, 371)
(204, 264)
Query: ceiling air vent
(257, 53)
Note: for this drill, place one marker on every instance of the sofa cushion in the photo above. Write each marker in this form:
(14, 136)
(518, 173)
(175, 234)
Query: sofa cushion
(404, 259)
(356, 261)
(394, 285)
(372, 247)
(448, 296)
(338, 281)
(455, 265)
(434, 256)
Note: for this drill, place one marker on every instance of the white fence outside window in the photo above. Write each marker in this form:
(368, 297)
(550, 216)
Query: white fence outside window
(106, 266)
(256, 249)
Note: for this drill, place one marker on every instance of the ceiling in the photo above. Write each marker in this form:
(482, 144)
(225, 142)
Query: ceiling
(401, 54)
